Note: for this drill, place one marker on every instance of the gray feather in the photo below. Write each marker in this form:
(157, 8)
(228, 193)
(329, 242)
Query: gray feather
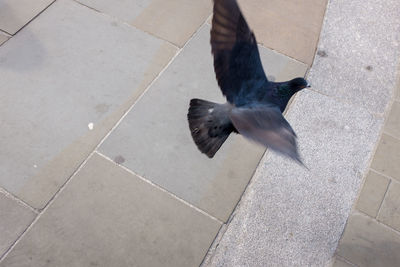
(266, 126)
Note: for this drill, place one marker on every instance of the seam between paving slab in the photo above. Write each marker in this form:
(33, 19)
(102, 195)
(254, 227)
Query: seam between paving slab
(276, 51)
(94, 9)
(8, 38)
(384, 132)
(62, 187)
(369, 163)
(133, 26)
(16, 199)
(279, 52)
(44, 209)
(160, 188)
(384, 195)
(346, 261)
(354, 209)
(19, 202)
(38, 14)
(319, 36)
(5, 33)
(357, 212)
(385, 115)
(224, 225)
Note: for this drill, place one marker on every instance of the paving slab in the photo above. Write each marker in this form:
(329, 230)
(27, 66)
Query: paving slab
(107, 216)
(367, 243)
(14, 219)
(154, 138)
(69, 68)
(387, 157)
(357, 57)
(398, 93)
(397, 88)
(176, 21)
(14, 14)
(372, 193)
(3, 38)
(291, 216)
(392, 126)
(290, 27)
(341, 263)
(390, 211)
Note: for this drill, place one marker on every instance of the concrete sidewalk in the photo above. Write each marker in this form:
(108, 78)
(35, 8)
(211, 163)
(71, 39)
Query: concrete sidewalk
(293, 217)
(97, 165)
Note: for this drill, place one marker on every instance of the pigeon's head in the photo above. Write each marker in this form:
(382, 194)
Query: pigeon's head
(298, 84)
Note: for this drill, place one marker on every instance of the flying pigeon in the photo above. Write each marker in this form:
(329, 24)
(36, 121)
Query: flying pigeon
(254, 105)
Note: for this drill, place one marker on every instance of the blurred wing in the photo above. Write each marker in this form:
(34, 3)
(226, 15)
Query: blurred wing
(268, 127)
(237, 61)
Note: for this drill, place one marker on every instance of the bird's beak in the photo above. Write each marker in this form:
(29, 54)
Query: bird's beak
(308, 85)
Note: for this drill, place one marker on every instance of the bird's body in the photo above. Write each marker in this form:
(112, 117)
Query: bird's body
(268, 93)
(254, 105)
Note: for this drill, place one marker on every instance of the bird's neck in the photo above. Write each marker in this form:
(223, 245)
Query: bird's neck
(283, 94)
(285, 91)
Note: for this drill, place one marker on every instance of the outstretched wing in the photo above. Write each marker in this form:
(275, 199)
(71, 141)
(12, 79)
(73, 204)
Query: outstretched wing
(237, 61)
(266, 126)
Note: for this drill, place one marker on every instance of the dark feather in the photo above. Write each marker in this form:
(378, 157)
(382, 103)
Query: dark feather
(209, 125)
(237, 61)
(255, 105)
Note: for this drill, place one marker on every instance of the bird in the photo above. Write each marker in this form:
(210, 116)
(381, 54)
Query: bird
(254, 104)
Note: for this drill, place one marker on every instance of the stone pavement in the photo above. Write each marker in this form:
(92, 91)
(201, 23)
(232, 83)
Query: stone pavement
(372, 234)
(97, 165)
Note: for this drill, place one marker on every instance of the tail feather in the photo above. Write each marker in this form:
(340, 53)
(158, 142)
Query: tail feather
(207, 126)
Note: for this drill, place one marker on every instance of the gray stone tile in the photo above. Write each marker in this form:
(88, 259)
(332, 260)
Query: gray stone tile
(397, 97)
(290, 27)
(367, 243)
(70, 67)
(372, 193)
(397, 88)
(398, 93)
(155, 142)
(3, 38)
(390, 211)
(14, 219)
(291, 216)
(176, 21)
(392, 126)
(358, 57)
(341, 263)
(14, 14)
(387, 157)
(109, 217)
